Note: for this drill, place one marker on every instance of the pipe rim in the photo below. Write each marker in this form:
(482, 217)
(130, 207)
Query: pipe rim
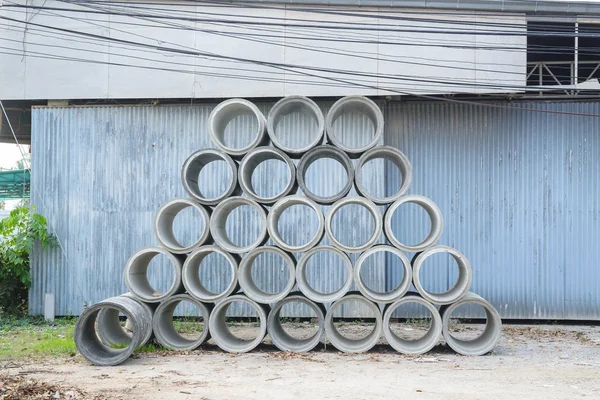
(308, 291)
(373, 112)
(321, 152)
(436, 223)
(285, 342)
(232, 106)
(458, 290)
(191, 277)
(341, 342)
(375, 214)
(485, 342)
(277, 211)
(168, 336)
(136, 278)
(413, 346)
(248, 285)
(219, 220)
(191, 170)
(282, 107)
(248, 165)
(163, 225)
(386, 153)
(392, 295)
(223, 336)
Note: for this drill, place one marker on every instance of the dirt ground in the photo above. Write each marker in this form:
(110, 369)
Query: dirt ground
(530, 362)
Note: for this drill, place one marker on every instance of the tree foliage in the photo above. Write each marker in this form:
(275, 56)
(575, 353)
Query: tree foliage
(18, 234)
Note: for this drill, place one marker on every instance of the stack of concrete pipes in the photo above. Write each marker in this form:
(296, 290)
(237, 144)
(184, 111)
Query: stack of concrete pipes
(101, 337)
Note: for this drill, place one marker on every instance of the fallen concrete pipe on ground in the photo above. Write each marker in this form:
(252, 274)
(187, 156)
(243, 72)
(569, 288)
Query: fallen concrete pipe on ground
(458, 290)
(434, 213)
(136, 274)
(191, 274)
(349, 105)
(226, 112)
(190, 173)
(110, 329)
(221, 334)
(275, 214)
(252, 160)
(163, 225)
(249, 286)
(325, 152)
(164, 328)
(375, 214)
(482, 344)
(413, 346)
(296, 104)
(282, 339)
(386, 153)
(391, 295)
(341, 342)
(303, 282)
(218, 224)
(91, 346)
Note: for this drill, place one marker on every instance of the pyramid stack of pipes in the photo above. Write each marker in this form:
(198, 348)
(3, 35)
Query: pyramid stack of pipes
(108, 332)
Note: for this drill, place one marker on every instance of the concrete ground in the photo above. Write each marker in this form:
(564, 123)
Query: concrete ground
(530, 362)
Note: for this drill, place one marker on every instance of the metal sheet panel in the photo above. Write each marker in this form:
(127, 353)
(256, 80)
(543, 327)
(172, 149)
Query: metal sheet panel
(102, 172)
(519, 193)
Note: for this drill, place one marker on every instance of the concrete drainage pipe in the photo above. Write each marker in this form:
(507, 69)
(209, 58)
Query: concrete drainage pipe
(221, 334)
(460, 288)
(283, 340)
(354, 104)
(91, 346)
(394, 294)
(165, 331)
(486, 341)
(163, 225)
(218, 224)
(400, 161)
(293, 104)
(190, 173)
(254, 158)
(304, 284)
(275, 214)
(413, 346)
(341, 342)
(191, 274)
(249, 286)
(375, 214)
(136, 275)
(318, 153)
(224, 113)
(435, 215)
(109, 328)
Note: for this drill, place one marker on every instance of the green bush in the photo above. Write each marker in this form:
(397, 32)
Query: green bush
(18, 233)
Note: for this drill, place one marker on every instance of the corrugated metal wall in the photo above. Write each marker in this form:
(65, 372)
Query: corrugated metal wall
(517, 189)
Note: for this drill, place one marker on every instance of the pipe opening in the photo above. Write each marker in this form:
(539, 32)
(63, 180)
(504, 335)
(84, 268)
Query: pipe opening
(324, 261)
(407, 211)
(267, 174)
(348, 113)
(295, 124)
(153, 274)
(210, 274)
(340, 173)
(229, 216)
(355, 336)
(277, 266)
(372, 269)
(231, 335)
(376, 163)
(353, 224)
(113, 327)
(296, 223)
(209, 176)
(186, 331)
(182, 225)
(288, 333)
